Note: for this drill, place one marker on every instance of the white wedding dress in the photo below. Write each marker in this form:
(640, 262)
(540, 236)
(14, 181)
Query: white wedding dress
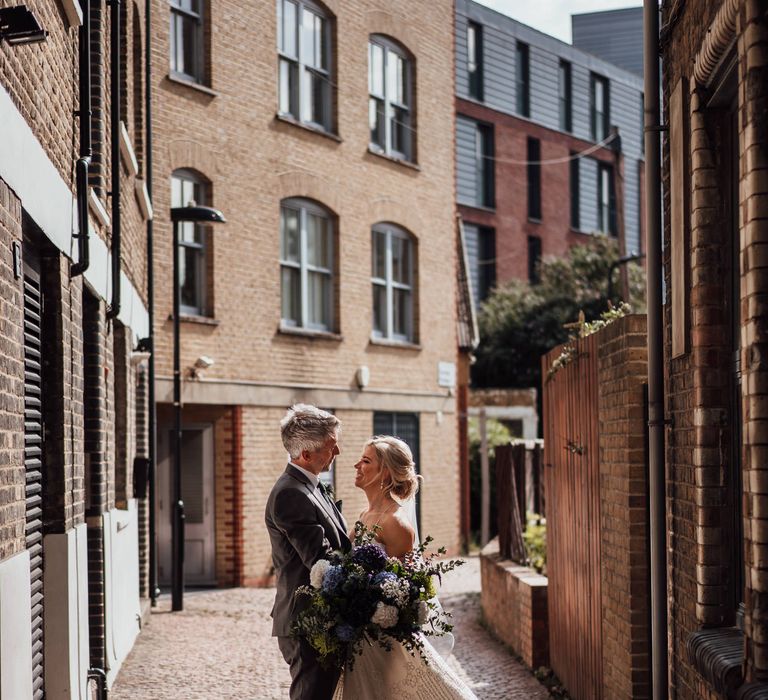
(378, 674)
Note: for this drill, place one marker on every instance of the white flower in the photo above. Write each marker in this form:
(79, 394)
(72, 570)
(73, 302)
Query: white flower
(397, 591)
(317, 572)
(385, 615)
(422, 613)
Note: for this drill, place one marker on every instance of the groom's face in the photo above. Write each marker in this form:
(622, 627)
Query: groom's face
(323, 458)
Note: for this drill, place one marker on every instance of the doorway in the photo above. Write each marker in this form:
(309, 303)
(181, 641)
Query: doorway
(197, 492)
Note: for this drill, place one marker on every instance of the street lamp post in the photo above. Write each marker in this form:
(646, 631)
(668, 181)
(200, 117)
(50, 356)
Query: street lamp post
(195, 214)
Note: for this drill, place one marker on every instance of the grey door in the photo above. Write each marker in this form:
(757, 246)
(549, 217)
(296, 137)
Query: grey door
(197, 491)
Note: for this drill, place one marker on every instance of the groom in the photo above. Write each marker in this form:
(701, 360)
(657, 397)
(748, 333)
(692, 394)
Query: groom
(304, 525)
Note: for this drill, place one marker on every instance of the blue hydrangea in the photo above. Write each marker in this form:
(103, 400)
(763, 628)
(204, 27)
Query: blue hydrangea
(346, 633)
(383, 577)
(333, 578)
(370, 556)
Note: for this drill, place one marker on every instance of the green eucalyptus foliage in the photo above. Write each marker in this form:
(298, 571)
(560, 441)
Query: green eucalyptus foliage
(520, 322)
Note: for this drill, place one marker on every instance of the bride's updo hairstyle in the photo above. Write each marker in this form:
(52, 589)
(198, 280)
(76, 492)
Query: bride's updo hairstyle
(396, 457)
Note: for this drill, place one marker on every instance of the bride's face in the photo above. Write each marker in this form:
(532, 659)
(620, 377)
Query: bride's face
(368, 469)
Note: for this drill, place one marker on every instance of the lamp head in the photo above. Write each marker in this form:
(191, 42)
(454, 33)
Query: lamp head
(197, 214)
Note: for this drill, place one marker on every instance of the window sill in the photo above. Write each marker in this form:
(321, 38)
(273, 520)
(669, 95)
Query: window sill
(478, 207)
(532, 220)
(310, 334)
(717, 655)
(188, 82)
(193, 318)
(394, 159)
(399, 344)
(308, 127)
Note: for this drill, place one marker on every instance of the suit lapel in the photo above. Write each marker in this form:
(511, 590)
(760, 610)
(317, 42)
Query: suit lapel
(324, 503)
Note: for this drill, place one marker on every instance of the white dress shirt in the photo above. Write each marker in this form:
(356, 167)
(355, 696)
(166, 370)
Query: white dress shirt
(313, 478)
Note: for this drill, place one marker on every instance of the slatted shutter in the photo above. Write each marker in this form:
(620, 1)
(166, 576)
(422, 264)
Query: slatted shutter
(33, 463)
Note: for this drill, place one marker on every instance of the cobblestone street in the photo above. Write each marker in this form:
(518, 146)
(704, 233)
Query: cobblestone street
(220, 647)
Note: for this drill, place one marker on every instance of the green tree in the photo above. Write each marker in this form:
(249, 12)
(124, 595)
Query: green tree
(520, 322)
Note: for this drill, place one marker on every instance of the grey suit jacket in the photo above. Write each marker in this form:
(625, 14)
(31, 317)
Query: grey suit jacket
(303, 527)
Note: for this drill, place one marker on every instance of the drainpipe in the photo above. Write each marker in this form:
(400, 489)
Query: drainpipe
(154, 589)
(115, 117)
(656, 467)
(84, 161)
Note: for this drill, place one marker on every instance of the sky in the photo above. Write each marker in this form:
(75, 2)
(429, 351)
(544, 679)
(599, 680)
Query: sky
(553, 17)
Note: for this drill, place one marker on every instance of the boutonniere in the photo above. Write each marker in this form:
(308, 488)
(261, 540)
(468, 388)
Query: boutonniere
(327, 490)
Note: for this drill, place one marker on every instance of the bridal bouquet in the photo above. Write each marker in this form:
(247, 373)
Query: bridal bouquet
(363, 596)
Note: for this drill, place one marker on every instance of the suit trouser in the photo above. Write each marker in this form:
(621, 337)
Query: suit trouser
(309, 680)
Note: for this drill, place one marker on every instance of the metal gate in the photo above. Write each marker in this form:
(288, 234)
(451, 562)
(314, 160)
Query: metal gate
(572, 485)
(33, 463)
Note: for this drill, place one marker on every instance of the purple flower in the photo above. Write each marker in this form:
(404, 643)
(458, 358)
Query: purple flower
(346, 633)
(370, 556)
(333, 578)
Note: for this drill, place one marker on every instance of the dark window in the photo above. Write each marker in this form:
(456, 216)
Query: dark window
(599, 107)
(575, 193)
(188, 187)
(304, 74)
(522, 73)
(187, 39)
(485, 187)
(486, 263)
(534, 259)
(406, 427)
(606, 200)
(390, 98)
(475, 60)
(534, 179)
(564, 88)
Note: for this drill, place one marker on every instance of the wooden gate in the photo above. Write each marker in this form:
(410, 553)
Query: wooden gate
(571, 456)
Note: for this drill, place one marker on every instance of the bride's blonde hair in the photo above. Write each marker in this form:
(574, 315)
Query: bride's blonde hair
(396, 457)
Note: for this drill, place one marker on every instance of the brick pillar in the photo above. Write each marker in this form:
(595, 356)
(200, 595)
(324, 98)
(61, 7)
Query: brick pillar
(753, 48)
(622, 374)
(142, 450)
(96, 447)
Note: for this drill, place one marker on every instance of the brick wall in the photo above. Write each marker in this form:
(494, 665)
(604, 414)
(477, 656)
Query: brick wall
(622, 374)
(703, 488)
(12, 478)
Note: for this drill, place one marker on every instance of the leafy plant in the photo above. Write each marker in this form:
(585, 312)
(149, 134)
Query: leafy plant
(520, 322)
(535, 539)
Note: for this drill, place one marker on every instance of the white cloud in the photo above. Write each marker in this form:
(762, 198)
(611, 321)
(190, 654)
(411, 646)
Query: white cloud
(553, 17)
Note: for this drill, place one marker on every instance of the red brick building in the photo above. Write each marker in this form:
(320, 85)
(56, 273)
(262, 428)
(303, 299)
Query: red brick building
(548, 147)
(715, 175)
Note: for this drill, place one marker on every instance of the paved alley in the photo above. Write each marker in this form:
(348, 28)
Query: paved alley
(220, 647)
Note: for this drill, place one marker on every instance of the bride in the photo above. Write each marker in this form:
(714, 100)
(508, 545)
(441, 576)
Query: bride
(387, 475)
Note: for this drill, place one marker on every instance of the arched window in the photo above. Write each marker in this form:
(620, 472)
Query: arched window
(306, 265)
(390, 102)
(194, 264)
(305, 60)
(392, 276)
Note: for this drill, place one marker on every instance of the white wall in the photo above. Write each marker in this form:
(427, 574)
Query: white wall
(65, 581)
(15, 629)
(121, 573)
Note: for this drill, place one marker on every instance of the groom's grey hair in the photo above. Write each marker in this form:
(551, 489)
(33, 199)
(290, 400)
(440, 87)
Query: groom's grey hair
(306, 427)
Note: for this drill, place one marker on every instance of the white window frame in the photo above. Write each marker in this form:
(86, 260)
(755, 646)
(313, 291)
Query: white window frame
(294, 98)
(304, 207)
(604, 175)
(193, 236)
(390, 231)
(180, 15)
(475, 59)
(390, 48)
